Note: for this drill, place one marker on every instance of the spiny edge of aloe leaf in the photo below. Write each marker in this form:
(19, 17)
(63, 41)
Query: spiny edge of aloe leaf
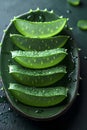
(15, 17)
(38, 9)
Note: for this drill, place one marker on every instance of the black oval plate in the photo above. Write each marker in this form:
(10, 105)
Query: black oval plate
(71, 80)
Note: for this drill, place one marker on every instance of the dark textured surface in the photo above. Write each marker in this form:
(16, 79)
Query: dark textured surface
(76, 117)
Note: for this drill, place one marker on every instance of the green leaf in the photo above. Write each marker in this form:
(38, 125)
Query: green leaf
(39, 59)
(82, 24)
(37, 78)
(40, 97)
(74, 2)
(40, 29)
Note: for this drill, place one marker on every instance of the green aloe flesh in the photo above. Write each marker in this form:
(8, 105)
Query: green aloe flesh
(39, 59)
(37, 78)
(82, 24)
(40, 29)
(74, 2)
(38, 44)
(39, 97)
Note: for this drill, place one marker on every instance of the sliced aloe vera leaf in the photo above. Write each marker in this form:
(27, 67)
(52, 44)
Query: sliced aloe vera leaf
(38, 44)
(74, 2)
(37, 78)
(40, 29)
(82, 24)
(39, 59)
(39, 97)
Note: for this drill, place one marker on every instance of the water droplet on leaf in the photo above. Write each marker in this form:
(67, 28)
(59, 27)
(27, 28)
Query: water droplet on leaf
(39, 111)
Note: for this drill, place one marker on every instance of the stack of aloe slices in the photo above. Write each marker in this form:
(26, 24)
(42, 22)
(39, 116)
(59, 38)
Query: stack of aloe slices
(38, 62)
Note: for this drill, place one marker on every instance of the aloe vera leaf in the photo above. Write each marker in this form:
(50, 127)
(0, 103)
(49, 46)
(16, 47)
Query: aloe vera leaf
(38, 44)
(39, 59)
(74, 2)
(39, 97)
(82, 24)
(37, 78)
(40, 29)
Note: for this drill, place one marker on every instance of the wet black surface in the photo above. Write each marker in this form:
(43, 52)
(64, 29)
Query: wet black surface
(76, 117)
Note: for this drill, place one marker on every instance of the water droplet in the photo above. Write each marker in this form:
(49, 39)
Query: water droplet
(1, 89)
(72, 57)
(41, 18)
(36, 18)
(78, 94)
(75, 57)
(67, 19)
(1, 113)
(85, 57)
(39, 111)
(74, 80)
(9, 109)
(30, 17)
(80, 78)
(68, 11)
(79, 49)
(1, 96)
(70, 28)
(70, 76)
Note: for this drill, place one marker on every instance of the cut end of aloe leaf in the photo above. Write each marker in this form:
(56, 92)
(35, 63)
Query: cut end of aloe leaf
(82, 24)
(38, 97)
(40, 29)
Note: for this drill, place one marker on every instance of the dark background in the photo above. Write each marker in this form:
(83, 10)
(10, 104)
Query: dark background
(76, 117)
